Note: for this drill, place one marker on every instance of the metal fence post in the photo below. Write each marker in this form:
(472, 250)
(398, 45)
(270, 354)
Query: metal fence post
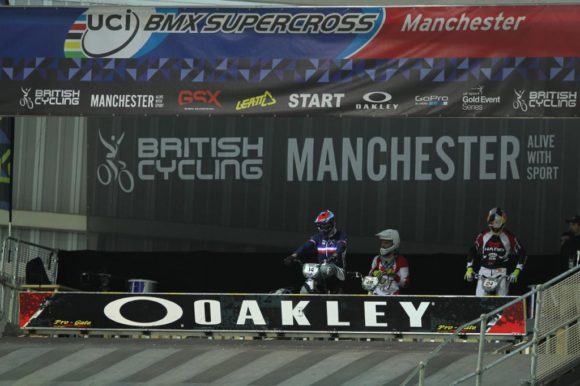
(534, 359)
(478, 372)
(422, 373)
(13, 292)
(2, 258)
(3, 276)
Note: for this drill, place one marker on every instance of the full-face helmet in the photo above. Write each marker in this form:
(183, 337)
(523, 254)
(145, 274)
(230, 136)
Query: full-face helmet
(325, 222)
(390, 242)
(496, 220)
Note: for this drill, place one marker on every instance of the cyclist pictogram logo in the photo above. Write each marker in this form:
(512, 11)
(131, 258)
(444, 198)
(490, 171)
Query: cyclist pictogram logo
(520, 103)
(113, 169)
(26, 100)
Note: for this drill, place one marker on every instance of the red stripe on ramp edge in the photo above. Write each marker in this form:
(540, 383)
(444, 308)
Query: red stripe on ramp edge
(31, 303)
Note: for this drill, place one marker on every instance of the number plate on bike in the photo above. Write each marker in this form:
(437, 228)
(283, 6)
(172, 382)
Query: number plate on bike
(489, 284)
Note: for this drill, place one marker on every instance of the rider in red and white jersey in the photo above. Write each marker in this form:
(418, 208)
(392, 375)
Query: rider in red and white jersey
(391, 268)
(492, 249)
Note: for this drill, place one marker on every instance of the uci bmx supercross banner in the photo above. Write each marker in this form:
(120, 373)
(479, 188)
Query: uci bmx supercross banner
(229, 184)
(275, 313)
(360, 61)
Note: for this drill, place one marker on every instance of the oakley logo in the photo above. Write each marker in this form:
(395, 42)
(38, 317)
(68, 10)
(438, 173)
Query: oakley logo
(377, 97)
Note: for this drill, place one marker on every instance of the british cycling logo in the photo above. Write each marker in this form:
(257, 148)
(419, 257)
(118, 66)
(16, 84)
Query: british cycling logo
(544, 99)
(113, 169)
(26, 100)
(110, 33)
(49, 97)
(520, 103)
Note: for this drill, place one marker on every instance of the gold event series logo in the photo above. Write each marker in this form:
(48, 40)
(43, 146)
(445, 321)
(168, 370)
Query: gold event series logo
(264, 100)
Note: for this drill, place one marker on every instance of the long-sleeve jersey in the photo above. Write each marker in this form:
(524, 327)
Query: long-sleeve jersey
(326, 248)
(495, 250)
(570, 252)
(401, 279)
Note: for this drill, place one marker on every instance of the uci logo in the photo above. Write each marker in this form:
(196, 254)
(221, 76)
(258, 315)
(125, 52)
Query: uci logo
(99, 33)
(96, 22)
(122, 28)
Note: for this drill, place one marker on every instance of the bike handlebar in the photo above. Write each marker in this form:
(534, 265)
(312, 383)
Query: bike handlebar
(478, 276)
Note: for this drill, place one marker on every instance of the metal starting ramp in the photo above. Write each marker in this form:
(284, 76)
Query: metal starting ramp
(76, 361)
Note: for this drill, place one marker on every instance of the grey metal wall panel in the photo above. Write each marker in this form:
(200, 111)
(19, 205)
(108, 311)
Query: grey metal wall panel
(50, 165)
(276, 211)
(69, 241)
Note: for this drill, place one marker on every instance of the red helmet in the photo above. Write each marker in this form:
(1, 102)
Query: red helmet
(325, 222)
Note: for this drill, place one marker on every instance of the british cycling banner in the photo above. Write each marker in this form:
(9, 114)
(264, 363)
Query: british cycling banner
(360, 61)
(275, 313)
(259, 182)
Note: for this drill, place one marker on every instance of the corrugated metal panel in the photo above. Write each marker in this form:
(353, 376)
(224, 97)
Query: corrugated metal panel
(50, 176)
(69, 241)
(50, 165)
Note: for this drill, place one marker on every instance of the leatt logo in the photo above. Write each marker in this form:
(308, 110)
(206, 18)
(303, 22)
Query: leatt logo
(199, 99)
(264, 100)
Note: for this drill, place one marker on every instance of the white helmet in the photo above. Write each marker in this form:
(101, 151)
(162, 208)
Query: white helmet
(496, 220)
(391, 235)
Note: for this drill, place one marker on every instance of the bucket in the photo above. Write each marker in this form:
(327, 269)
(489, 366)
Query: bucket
(142, 285)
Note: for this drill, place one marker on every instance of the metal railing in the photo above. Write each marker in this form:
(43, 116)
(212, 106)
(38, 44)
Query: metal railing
(555, 342)
(16, 256)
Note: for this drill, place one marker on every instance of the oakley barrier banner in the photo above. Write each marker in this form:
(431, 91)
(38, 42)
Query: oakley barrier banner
(224, 312)
(256, 181)
(360, 61)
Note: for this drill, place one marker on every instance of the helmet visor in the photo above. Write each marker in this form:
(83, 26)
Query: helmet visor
(324, 227)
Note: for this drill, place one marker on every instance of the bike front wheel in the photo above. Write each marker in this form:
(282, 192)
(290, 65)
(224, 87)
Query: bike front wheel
(126, 182)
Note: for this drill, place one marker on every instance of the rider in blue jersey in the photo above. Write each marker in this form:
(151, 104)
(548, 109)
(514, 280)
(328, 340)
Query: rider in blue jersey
(329, 245)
